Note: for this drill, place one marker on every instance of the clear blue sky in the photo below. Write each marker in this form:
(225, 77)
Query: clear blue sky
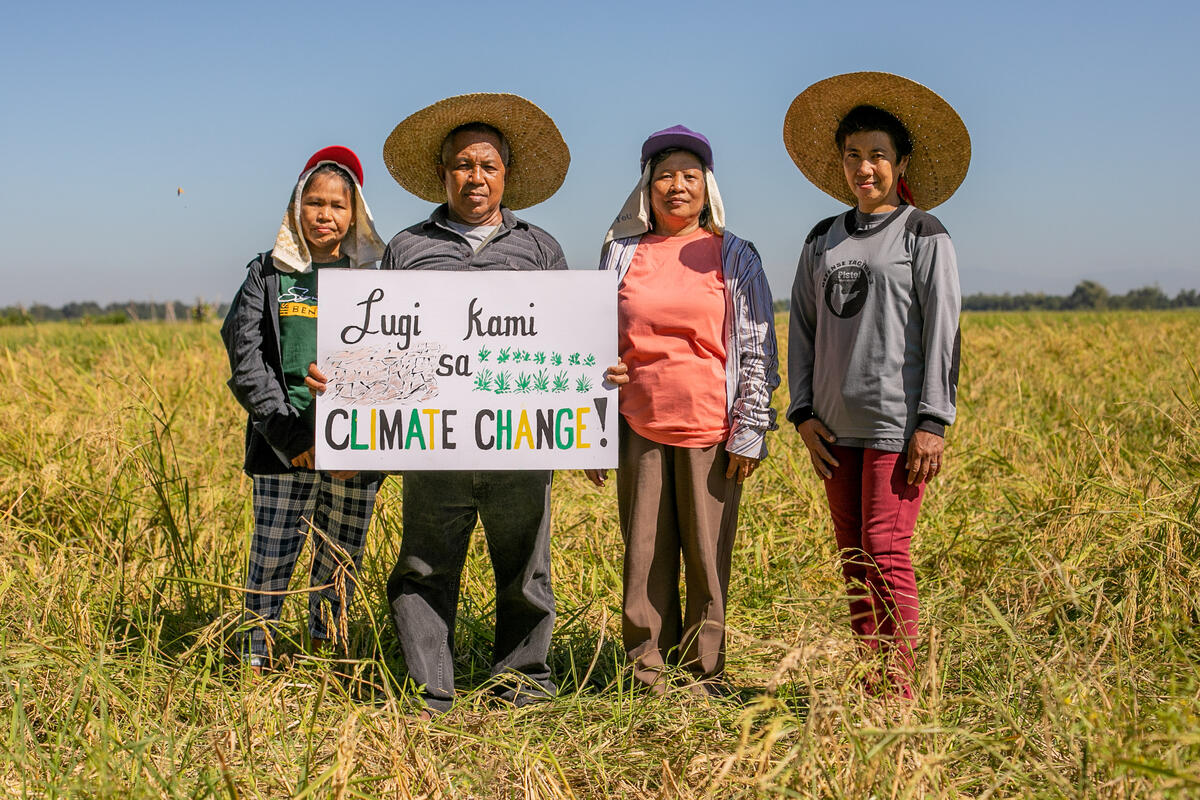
(1082, 117)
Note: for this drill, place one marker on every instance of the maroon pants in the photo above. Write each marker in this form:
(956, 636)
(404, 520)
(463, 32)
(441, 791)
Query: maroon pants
(874, 511)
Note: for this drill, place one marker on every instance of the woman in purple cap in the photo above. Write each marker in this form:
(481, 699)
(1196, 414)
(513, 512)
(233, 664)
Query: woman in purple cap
(270, 334)
(698, 366)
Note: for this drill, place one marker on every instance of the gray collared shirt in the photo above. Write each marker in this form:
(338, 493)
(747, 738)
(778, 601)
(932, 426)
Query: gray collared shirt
(433, 244)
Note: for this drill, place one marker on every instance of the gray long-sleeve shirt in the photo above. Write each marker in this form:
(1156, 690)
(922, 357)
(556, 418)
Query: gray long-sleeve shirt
(873, 338)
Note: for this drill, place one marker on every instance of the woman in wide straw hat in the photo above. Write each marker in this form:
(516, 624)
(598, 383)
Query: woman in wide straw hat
(873, 337)
(698, 367)
(270, 335)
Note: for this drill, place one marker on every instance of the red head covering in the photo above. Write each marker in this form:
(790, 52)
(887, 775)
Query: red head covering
(339, 155)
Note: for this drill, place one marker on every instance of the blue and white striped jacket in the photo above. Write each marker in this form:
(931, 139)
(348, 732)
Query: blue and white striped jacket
(752, 357)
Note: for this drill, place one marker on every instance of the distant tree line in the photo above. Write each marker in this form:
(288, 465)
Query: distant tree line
(1087, 296)
(114, 313)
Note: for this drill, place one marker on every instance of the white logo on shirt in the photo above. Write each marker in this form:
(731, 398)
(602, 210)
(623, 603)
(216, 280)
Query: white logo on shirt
(296, 294)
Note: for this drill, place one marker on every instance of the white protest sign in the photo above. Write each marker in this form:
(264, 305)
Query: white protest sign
(466, 370)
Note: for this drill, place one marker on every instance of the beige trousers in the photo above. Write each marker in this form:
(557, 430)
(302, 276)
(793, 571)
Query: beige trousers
(675, 501)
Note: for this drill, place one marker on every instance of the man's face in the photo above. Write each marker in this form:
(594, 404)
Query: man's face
(474, 179)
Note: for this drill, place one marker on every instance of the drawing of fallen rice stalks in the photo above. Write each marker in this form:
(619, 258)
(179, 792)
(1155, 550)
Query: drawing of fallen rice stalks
(375, 375)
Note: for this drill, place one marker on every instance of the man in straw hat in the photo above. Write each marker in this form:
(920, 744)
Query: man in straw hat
(478, 155)
(873, 338)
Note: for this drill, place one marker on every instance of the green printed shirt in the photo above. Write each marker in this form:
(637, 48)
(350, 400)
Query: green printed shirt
(298, 330)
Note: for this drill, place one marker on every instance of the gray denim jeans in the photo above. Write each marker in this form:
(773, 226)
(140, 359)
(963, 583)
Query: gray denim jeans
(440, 510)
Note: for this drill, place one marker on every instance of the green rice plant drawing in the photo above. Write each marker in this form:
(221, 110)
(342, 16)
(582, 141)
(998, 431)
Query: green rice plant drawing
(555, 359)
(483, 380)
(583, 384)
(539, 357)
(541, 381)
(561, 382)
(590, 361)
(521, 356)
(524, 383)
(503, 386)
(573, 360)
(504, 354)
(484, 353)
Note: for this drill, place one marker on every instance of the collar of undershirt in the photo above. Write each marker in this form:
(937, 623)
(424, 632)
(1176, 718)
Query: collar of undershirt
(441, 215)
(862, 226)
(463, 227)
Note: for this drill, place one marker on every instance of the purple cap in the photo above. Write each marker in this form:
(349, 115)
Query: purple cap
(677, 136)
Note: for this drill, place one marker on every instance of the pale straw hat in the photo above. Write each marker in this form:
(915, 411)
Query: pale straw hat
(538, 157)
(941, 144)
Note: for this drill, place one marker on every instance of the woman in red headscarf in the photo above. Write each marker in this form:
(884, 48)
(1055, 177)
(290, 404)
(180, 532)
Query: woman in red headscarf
(270, 335)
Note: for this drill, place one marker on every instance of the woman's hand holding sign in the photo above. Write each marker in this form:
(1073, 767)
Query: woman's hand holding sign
(316, 380)
(316, 383)
(617, 375)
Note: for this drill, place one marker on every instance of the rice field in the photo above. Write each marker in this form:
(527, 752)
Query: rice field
(1058, 557)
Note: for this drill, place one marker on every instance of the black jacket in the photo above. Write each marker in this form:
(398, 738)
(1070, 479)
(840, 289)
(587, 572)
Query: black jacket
(275, 432)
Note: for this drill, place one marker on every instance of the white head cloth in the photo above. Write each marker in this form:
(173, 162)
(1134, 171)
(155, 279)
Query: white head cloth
(634, 217)
(362, 244)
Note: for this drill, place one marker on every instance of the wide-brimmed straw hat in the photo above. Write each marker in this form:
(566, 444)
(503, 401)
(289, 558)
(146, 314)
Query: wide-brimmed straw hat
(538, 156)
(941, 144)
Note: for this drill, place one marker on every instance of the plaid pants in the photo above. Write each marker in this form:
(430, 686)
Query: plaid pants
(286, 508)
